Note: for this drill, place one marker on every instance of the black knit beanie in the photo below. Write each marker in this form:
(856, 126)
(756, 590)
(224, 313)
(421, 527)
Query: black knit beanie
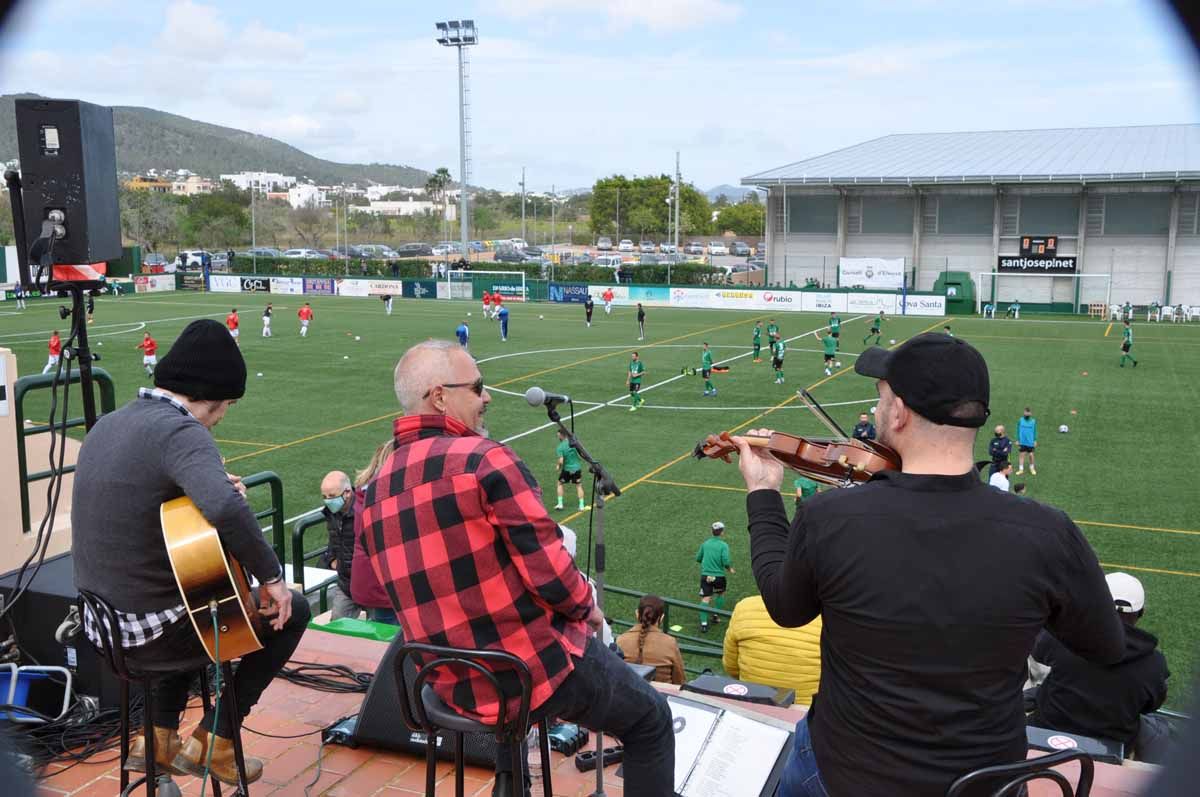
(204, 363)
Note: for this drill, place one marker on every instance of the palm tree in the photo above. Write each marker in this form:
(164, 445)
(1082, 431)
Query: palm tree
(435, 186)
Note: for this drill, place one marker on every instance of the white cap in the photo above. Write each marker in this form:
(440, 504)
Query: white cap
(718, 526)
(1127, 592)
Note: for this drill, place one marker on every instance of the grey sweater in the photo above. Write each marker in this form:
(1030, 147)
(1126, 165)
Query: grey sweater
(133, 460)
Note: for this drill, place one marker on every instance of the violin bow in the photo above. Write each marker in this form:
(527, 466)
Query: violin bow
(821, 414)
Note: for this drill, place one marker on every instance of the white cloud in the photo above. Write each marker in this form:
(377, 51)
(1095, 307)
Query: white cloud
(348, 101)
(257, 38)
(250, 92)
(657, 15)
(196, 29)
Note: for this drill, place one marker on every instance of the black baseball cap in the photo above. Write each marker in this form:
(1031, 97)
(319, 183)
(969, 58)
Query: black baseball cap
(932, 373)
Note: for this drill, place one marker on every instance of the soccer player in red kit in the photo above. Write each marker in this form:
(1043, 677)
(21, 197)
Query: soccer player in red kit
(305, 313)
(497, 301)
(232, 321)
(487, 303)
(55, 351)
(149, 347)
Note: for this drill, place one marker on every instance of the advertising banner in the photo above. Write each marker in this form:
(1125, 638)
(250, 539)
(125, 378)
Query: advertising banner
(153, 283)
(421, 289)
(323, 286)
(871, 303)
(256, 284)
(190, 282)
(1036, 265)
(224, 283)
(511, 291)
(814, 302)
(574, 294)
(871, 272)
(620, 293)
(736, 299)
(349, 287)
(291, 285)
(650, 295)
(917, 304)
(385, 287)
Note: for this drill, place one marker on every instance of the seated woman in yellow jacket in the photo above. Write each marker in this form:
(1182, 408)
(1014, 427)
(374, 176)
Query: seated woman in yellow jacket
(647, 643)
(758, 650)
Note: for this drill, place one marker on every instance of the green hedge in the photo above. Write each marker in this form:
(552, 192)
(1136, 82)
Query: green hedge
(410, 268)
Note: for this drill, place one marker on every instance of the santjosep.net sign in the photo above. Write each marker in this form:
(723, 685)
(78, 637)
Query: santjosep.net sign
(1036, 265)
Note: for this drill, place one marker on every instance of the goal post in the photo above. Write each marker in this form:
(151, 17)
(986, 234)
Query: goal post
(471, 283)
(1047, 293)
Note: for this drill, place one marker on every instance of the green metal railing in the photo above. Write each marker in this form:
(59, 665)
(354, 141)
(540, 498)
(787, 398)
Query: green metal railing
(35, 382)
(695, 645)
(275, 511)
(299, 557)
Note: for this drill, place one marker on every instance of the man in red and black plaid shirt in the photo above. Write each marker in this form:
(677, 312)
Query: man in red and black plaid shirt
(456, 531)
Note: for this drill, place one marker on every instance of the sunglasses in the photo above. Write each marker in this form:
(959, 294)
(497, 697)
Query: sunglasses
(476, 387)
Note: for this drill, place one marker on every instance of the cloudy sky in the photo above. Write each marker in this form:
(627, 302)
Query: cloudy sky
(578, 89)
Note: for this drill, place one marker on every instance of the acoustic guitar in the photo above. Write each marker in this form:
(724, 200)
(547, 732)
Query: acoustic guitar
(206, 574)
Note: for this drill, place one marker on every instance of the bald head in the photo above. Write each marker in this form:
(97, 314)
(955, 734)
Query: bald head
(334, 484)
(422, 368)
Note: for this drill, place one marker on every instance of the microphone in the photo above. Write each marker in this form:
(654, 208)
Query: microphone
(540, 398)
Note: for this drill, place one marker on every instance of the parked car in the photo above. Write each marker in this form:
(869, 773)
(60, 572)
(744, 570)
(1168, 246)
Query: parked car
(517, 243)
(608, 261)
(536, 251)
(649, 260)
(443, 248)
(756, 263)
(694, 248)
(190, 258)
(351, 252)
(509, 255)
(604, 243)
(666, 248)
(379, 251)
(154, 260)
(304, 254)
(647, 247)
(761, 250)
(476, 246)
(626, 245)
(220, 261)
(739, 248)
(717, 248)
(413, 250)
(261, 251)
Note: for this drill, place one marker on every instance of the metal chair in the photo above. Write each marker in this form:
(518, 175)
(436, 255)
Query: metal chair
(423, 710)
(146, 674)
(1021, 772)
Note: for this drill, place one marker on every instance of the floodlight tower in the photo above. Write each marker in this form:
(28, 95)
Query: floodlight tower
(459, 34)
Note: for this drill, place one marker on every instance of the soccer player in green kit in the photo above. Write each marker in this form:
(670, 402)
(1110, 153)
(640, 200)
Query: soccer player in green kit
(1127, 344)
(772, 332)
(835, 328)
(634, 382)
(876, 325)
(830, 344)
(706, 364)
(570, 470)
(778, 350)
(757, 341)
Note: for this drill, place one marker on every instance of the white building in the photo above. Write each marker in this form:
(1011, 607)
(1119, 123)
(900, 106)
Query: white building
(264, 181)
(409, 207)
(308, 195)
(377, 192)
(1120, 201)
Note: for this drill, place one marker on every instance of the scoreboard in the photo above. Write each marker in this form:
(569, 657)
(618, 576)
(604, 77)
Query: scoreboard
(1039, 246)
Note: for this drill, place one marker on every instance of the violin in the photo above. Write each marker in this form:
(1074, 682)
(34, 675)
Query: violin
(841, 462)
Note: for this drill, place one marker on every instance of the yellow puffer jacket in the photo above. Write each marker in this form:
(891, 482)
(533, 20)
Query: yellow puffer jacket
(758, 650)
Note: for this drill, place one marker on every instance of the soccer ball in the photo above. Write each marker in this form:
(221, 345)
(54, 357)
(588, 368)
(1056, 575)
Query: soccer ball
(1063, 429)
(872, 410)
(260, 373)
(892, 341)
(541, 318)
(468, 314)
(837, 364)
(345, 356)
(356, 337)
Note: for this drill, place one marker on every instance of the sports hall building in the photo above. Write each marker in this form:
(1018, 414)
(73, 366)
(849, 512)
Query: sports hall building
(1119, 206)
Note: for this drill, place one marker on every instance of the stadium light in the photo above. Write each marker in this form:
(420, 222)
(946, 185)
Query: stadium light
(459, 34)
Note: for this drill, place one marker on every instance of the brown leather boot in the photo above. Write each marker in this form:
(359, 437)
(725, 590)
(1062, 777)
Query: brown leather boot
(194, 755)
(167, 745)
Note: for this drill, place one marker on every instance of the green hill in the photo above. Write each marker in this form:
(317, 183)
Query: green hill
(150, 139)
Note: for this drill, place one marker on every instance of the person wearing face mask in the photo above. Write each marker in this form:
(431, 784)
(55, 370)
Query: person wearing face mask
(454, 526)
(337, 494)
(999, 447)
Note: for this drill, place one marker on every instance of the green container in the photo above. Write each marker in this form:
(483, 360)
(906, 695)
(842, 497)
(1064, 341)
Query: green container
(959, 289)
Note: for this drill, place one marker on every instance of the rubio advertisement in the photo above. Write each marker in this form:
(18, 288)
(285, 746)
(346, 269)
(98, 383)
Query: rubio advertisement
(871, 272)
(349, 287)
(323, 286)
(1036, 265)
(292, 285)
(420, 289)
(224, 283)
(256, 284)
(385, 287)
(575, 294)
(153, 283)
(731, 299)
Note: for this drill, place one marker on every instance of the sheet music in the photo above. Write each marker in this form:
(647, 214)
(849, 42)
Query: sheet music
(693, 723)
(737, 759)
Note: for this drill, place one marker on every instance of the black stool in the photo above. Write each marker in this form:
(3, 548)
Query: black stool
(431, 715)
(1022, 772)
(146, 674)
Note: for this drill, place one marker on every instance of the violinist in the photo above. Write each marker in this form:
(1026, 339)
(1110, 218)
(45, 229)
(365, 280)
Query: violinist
(931, 587)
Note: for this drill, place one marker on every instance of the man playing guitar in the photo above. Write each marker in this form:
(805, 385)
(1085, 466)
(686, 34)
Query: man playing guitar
(154, 449)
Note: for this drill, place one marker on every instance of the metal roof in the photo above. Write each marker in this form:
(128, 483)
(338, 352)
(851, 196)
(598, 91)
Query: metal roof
(1073, 154)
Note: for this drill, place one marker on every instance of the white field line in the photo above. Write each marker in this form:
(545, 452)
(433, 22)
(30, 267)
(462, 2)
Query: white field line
(648, 388)
(125, 324)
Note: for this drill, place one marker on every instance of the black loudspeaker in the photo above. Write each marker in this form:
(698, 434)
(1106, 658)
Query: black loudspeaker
(69, 163)
(380, 723)
(50, 597)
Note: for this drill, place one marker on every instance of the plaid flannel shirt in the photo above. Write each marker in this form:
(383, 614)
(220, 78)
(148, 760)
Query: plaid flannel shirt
(456, 532)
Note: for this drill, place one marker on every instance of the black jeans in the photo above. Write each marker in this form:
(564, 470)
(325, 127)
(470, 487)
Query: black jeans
(251, 675)
(603, 694)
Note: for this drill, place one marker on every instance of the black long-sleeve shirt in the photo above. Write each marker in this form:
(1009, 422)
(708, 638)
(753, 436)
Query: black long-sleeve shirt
(931, 591)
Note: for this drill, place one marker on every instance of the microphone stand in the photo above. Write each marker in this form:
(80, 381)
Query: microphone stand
(603, 484)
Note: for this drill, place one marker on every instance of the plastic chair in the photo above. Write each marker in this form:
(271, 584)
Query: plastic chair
(1021, 772)
(423, 710)
(146, 674)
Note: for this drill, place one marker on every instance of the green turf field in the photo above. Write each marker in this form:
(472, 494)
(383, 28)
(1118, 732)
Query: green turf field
(326, 401)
